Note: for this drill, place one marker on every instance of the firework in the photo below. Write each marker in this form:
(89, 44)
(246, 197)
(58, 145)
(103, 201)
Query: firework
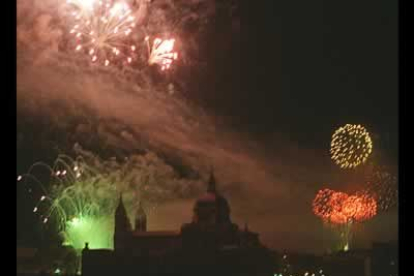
(336, 204)
(162, 53)
(102, 30)
(343, 210)
(82, 194)
(359, 207)
(383, 186)
(321, 208)
(95, 230)
(327, 205)
(79, 200)
(350, 146)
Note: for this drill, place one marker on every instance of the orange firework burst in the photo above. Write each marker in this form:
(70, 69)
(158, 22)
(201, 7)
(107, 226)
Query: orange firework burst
(320, 205)
(162, 52)
(343, 210)
(337, 214)
(340, 208)
(359, 207)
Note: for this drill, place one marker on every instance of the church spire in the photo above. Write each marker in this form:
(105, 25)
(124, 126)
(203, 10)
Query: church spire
(211, 182)
(121, 218)
(122, 226)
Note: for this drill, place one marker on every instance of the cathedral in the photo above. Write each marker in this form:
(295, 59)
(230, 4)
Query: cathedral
(209, 245)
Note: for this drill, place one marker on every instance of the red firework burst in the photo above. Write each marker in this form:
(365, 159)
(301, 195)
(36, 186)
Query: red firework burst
(337, 215)
(320, 205)
(360, 207)
(340, 208)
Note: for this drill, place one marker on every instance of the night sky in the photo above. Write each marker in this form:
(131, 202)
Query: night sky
(281, 77)
(306, 69)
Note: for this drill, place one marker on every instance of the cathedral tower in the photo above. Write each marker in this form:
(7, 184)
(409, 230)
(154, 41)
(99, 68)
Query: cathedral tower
(122, 226)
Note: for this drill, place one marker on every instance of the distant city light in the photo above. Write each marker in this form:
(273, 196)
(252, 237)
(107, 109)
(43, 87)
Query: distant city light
(19, 178)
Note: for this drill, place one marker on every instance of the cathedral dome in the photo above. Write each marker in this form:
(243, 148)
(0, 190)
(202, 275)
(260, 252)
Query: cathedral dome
(212, 206)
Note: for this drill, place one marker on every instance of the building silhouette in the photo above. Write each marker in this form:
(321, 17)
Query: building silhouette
(211, 244)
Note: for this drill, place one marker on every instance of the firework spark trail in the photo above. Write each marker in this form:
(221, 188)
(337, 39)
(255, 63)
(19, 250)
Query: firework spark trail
(383, 186)
(162, 53)
(73, 189)
(103, 32)
(350, 146)
(166, 16)
(82, 197)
